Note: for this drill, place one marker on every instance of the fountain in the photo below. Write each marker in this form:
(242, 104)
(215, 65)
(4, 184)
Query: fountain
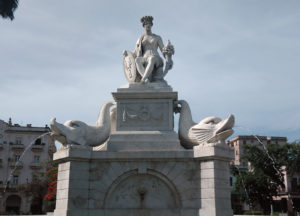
(142, 166)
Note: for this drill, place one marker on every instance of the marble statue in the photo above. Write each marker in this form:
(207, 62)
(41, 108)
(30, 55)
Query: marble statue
(79, 133)
(209, 130)
(144, 64)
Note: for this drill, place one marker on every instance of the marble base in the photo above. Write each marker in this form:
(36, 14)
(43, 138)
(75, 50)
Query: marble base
(143, 141)
(142, 170)
(178, 182)
(146, 87)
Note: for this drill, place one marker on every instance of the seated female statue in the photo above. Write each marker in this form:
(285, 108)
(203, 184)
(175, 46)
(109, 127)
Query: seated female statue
(148, 63)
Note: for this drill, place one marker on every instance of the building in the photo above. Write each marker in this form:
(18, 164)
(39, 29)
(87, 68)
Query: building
(237, 143)
(24, 151)
(289, 197)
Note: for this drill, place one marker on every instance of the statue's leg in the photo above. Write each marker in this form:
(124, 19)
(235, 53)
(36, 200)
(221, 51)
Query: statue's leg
(149, 68)
(139, 62)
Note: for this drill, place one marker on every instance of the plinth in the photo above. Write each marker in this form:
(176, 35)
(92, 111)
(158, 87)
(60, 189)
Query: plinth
(142, 169)
(145, 119)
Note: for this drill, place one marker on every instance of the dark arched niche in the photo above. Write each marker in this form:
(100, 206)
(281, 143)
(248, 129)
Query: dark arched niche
(150, 190)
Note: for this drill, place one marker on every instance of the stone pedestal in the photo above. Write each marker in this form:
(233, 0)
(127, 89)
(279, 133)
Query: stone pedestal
(187, 182)
(143, 170)
(145, 119)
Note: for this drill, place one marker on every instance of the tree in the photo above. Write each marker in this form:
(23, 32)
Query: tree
(35, 189)
(42, 190)
(293, 158)
(7, 8)
(265, 177)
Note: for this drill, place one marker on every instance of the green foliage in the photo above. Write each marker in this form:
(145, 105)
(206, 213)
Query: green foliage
(265, 177)
(293, 158)
(7, 8)
(255, 187)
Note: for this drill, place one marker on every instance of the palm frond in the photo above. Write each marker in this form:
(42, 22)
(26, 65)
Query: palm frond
(7, 8)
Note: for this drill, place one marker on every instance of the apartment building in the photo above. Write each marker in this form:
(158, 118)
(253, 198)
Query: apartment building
(24, 151)
(289, 197)
(237, 143)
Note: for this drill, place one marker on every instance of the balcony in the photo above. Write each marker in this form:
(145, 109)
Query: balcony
(9, 187)
(35, 165)
(15, 164)
(16, 147)
(37, 148)
(282, 192)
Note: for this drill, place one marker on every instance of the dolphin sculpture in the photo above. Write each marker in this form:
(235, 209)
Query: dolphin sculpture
(79, 133)
(209, 130)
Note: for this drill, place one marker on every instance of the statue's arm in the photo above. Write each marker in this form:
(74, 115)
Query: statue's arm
(135, 51)
(138, 49)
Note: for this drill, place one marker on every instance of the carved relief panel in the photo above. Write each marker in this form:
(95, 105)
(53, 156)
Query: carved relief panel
(142, 115)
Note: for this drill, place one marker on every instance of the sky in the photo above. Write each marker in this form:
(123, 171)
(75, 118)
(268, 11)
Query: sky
(64, 58)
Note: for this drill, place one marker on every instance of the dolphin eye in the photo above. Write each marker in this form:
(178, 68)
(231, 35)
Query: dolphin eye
(73, 124)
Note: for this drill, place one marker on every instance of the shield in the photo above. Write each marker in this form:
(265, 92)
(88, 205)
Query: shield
(129, 67)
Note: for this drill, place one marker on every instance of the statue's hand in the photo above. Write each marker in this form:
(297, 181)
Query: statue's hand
(168, 50)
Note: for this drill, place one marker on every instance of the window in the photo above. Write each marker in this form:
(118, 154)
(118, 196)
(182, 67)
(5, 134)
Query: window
(35, 175)
(15, 180)
(230, 180)
(18, 140)
(244, 141)
(36, 158)
(38, 141)
(17, 157)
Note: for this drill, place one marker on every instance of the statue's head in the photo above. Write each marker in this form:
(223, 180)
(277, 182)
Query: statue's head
(147, 20)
